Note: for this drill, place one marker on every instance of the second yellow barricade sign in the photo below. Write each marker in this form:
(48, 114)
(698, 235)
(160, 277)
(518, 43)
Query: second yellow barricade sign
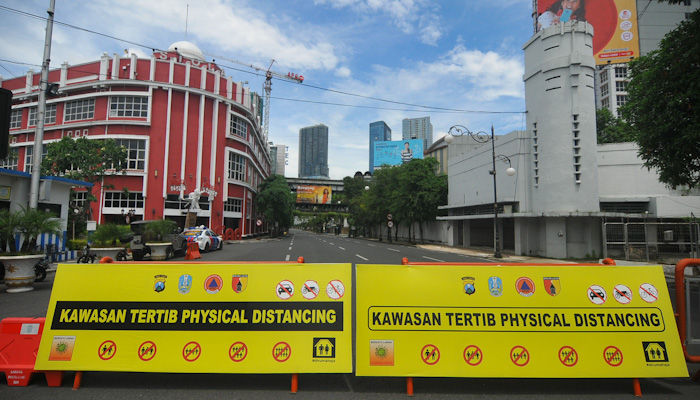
(232, 318)
(524, 321)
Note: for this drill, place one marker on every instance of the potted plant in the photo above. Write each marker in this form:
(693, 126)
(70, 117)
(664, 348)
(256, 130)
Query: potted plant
(19, 265)
(104, 240)
(158, 234)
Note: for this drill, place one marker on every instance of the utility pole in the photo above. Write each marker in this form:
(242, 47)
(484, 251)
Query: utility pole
(41, 111)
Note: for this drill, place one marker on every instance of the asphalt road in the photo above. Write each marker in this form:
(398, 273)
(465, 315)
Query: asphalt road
(317, 249)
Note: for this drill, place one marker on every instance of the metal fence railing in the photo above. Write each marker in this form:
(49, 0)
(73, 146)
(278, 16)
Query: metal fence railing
(651, 241)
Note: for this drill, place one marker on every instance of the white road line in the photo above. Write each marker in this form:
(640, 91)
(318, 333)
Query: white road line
(371, 245)
(290, 247)
(287, 259)
(341, 248)
(433, 259)
(332, 244)
(362, 257)
(396, 250)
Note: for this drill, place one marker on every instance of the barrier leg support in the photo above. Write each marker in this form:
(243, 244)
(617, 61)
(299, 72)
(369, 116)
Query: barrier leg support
(77, 380)
(409, 386)
(637, 387)
(295, 383)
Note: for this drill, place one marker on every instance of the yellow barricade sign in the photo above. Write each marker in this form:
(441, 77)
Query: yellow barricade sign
(226, 318)
(508, 321)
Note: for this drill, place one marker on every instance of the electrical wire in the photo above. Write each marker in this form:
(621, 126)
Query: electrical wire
(155, 48)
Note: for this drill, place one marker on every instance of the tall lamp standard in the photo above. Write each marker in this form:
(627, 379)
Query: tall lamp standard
(510, 171)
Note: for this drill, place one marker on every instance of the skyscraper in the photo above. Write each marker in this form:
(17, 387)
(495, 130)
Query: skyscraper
(313, 152)
(418, 128)
(278, 155)
(378, 132)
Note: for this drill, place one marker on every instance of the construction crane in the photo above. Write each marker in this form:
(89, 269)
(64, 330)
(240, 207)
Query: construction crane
(267, 86)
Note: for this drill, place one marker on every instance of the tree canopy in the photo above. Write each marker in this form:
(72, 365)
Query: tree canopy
(663, 106)
(275, 201)
(610, 129)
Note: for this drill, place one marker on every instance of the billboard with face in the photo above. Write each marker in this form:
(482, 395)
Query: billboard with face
(616, 38)
(397, 152)
(314, 194)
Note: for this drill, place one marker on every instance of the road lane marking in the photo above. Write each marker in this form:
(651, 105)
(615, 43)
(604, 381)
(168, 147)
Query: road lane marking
(362, 257)
(287, 259)
(371, 245)
(432, 259)
(396, 250)
(341, 248)
(290, 247)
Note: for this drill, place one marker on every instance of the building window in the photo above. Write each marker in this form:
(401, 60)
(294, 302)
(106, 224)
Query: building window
(16, 119)
(12, 160)
(686, 2)
(29, 157)
(604, 76)
(605, 103)
(80, 109)
(620, 72)
(128, 106)
(604, 90)
(49, 115)
(233, 205)
(136, 153)
(238, 127)
(79, 198)
(123, 200)
(236, 167)
(621, 100)
(621, 86)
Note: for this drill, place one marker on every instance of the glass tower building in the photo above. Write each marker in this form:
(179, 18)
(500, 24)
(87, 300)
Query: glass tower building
(313, 152)
(418, 128)
(378, 132)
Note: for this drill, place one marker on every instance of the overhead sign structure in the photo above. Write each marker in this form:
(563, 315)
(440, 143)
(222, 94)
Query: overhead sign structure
(182, 318)
(525, 321)
(616, 38)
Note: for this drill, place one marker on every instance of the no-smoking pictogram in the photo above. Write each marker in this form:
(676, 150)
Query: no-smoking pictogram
(281, 351)
(612, 356)
(568, 356)
(519, 356)
(335, 289)
(473, 355)
(238, 351)
(430, 354)
(107, 350)
(147, 351)
(191, 351)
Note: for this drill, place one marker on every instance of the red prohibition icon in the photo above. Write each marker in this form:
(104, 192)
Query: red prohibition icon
(568, 356)
(519, 356)
(107, 350)
(281, 351)
(430, 354)
(238, 352)
(612, 356)
(147, 351)
(473, 355)
(191, 351)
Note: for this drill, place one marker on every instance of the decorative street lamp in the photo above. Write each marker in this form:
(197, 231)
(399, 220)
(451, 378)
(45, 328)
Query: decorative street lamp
(510, 171)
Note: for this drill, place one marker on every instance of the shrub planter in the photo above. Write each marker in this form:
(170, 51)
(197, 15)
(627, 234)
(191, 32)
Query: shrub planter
(105, 252)
(19, 272)
(161, 251)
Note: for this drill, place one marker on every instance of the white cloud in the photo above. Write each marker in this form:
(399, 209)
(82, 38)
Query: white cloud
(343, 72)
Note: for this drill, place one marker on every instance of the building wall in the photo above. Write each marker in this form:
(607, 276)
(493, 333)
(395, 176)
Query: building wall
(185, 139)
(417, 128)
(313, 152)
(378, 132)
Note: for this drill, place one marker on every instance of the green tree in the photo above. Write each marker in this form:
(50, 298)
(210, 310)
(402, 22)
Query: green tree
(34, 223)
(276, 202)
(610, 129)
(84, 160)
(663, 102)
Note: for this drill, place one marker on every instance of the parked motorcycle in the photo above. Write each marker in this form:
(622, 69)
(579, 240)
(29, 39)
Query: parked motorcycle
(87, 256)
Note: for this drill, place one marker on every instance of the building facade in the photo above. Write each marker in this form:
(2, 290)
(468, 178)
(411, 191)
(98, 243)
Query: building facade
(378, 132)
(279, 156)
(417, 128)
(186, 125)
(313, 152)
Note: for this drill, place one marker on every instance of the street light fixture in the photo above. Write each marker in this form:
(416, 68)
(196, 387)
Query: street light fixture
(510, 171)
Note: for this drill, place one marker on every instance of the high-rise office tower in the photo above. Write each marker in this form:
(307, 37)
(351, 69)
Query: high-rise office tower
(418, 128)
(378, 132)
(278, 155)
(313, 152)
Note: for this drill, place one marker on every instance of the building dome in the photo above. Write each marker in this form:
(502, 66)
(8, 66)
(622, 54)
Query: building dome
(188, 50)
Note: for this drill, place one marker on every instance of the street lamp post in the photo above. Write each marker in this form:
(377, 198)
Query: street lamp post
(510, 171)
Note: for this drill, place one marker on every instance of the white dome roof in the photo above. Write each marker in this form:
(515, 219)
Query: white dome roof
(187, 49)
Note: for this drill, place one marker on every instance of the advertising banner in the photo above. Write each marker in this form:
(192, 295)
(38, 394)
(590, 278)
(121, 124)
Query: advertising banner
(205, 318)
(616, 37)
(525, 322)
(397, 152)
(314, 194)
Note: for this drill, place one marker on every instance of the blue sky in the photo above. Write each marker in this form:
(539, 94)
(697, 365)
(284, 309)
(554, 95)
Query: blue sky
(422, 56)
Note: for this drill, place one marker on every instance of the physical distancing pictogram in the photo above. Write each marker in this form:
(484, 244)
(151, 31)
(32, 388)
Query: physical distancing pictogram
(613, 356)
(191, 351)
(519, 356)
(430, 354)
(147, 351)
(238, 351)
(568, 356)
(473, 355)
(107, 350)
(281, 351)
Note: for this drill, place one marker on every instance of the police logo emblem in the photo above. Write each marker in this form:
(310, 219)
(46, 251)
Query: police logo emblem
(495, 286)
(185, 284)
(468, 285)
(159, 285)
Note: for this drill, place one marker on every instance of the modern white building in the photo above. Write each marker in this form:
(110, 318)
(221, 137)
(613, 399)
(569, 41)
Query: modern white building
(417, 128)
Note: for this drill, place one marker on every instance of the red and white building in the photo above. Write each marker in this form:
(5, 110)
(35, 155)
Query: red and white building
(185, 124)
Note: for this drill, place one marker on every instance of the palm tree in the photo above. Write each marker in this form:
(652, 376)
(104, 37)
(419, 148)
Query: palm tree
(34, 223)
(9, 222)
